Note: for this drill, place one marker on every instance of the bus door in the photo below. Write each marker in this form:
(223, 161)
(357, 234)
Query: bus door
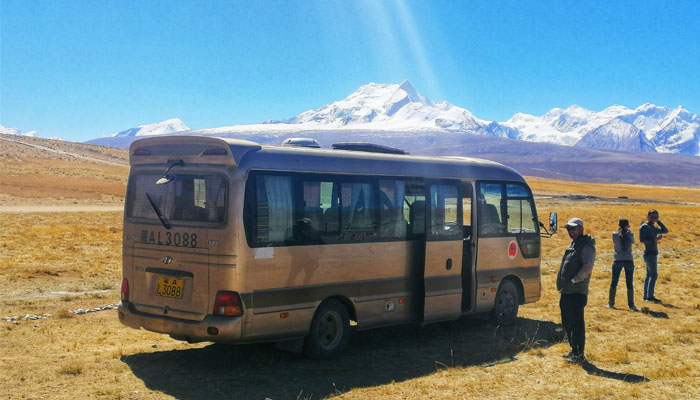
(443, 253)
(496, 248)
(468, 248)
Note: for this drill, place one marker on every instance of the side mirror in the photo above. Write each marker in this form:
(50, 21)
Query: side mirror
(553, 222)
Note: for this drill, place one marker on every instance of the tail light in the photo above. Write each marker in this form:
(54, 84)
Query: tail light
(228, 304)
(125, 290)
(214, 152)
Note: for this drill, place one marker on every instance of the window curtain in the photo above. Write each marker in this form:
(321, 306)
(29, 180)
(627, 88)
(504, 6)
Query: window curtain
(361, 206)
(393, 222)
(400, 194)
(278, 190)
(215, 190)
(167, 199)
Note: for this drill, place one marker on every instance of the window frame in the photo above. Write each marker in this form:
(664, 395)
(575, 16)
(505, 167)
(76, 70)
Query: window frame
(503, 207)
(130, 203)
(457, 234)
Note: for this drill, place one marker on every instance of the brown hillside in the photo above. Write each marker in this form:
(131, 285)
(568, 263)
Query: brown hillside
(42, 171)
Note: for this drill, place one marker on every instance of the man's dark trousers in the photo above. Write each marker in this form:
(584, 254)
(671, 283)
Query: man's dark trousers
(572, 306)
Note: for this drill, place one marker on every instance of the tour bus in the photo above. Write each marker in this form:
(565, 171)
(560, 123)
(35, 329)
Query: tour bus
(232, 241)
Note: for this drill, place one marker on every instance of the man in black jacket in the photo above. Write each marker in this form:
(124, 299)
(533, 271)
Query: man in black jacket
(650, 236)
(572, 282)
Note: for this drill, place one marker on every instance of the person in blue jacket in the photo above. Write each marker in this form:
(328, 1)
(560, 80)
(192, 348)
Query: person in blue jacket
(650, 235)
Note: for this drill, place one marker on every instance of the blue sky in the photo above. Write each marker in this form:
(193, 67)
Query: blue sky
(84, 69)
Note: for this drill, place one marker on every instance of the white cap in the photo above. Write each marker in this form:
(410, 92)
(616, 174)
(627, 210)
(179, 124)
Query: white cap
(575, 222)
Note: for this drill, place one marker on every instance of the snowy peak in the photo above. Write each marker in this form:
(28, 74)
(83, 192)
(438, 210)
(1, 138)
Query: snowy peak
(392, 107)
(158, 128)
(617, 135)
(404, 95)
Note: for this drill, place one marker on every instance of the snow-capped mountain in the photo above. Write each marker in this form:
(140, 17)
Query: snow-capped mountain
(158, 128)
(15, 131)
(395, 107)
(383, 111)
(647, 128)
(379, 108)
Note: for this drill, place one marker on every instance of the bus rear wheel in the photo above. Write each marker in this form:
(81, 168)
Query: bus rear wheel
(505, 311)
(330, 331)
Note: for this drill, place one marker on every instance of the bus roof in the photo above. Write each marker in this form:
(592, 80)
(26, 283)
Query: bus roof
(250, 155)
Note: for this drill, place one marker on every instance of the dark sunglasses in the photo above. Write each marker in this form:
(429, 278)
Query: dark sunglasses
(571, 228)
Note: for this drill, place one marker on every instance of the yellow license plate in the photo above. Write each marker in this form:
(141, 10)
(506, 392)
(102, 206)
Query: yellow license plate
(170, 287)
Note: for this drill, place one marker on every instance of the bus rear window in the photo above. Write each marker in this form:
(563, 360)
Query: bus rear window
(186, 198)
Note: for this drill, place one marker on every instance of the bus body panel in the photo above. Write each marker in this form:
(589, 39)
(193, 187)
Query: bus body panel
(493, 264)
(296, 279)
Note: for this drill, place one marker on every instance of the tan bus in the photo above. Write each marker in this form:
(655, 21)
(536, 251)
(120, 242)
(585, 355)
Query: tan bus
(235, 242)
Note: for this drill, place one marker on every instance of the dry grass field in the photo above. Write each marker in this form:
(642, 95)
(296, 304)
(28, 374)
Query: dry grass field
(54, 263)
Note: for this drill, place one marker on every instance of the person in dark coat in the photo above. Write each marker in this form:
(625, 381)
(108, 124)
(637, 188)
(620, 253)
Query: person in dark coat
(573, 279)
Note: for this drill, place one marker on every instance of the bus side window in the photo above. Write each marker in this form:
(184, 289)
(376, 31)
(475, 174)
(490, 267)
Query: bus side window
(330, 203)
(274, 210)
(392, 221)
(521, 210)
(445, 221)
(489, 217)
(358, 207)
(312, 212)
(416, 218)
(414, 207)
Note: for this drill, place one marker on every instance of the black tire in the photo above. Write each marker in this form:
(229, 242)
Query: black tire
(329, 332)
(505, 310)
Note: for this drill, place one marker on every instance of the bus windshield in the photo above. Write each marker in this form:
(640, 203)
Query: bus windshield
(186, 198)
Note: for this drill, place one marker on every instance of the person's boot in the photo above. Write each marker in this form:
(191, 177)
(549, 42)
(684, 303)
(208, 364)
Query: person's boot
(611, 297)
(630, 300)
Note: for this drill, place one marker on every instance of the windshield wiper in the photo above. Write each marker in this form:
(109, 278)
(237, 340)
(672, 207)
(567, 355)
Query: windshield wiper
(158, 213)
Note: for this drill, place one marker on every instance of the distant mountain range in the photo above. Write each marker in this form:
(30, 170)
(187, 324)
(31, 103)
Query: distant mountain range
(15, 131)
(387, 109)
(649, 145)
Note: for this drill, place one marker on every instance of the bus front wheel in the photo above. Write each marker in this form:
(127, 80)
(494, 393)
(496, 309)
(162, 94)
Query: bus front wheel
(505, 311)
(330, 331)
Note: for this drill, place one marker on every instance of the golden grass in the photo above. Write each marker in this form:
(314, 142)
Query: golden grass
(56, 262)
(78, 247)
(550, 187)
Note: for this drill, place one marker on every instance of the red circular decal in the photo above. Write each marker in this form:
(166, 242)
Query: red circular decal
(512, 249)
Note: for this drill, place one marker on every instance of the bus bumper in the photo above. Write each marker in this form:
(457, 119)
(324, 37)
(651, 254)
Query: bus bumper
(211, 329)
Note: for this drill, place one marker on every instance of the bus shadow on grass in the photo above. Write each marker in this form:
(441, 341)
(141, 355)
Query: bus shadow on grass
(375, 357)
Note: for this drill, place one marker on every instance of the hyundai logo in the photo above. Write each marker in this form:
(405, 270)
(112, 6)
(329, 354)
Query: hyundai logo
(167, 260)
